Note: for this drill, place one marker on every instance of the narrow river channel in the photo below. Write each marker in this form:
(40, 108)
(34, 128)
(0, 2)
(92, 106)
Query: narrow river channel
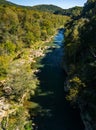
(54, 113)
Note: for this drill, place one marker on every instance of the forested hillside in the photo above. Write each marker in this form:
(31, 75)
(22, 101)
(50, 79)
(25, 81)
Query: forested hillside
(73, 12)
(25, 33)
(80, 57)
(23, 36)
(47, 8)
(22, 28)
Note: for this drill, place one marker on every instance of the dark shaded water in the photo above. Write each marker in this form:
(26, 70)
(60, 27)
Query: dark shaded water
(55, 112)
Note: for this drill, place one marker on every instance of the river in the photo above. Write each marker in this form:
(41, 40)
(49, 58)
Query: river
(55, 113)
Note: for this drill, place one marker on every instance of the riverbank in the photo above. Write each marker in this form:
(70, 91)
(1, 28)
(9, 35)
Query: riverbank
(14, 98)
(54, 112)
(42, 99)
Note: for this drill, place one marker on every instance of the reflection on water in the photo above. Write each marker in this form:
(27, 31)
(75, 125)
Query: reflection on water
(59, 37)
(54, 112)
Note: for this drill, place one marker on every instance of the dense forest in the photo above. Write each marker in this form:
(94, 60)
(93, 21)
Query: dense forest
(25, 33)
(72, 12)
(47, 8)
(22, 28)
(80, 57)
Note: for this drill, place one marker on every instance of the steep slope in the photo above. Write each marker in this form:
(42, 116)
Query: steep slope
(89, 9)
(80, 57)
(23, 33)
(75, 11)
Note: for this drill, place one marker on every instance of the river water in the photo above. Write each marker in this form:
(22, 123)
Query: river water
(55, 113)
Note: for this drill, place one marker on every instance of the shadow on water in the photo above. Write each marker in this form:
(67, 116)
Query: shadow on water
(55, 112)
